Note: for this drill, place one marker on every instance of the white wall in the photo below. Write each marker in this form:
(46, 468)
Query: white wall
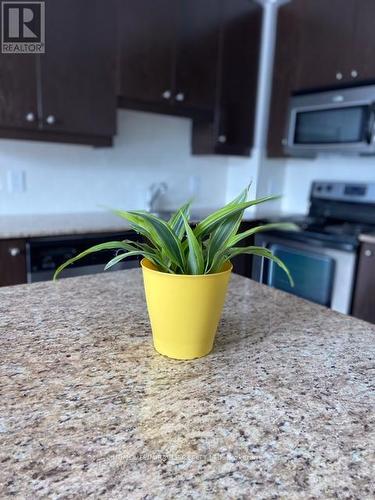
(299, 174)
(148, 148)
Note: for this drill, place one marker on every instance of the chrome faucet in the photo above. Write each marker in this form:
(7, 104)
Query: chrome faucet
(154, 192)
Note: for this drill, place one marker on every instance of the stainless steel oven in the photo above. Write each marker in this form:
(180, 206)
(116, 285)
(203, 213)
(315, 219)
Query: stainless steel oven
(322, 255)
(322, 274)
(341, 120)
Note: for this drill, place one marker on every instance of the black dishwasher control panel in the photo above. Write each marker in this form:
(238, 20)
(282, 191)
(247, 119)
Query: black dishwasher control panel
(46, 254)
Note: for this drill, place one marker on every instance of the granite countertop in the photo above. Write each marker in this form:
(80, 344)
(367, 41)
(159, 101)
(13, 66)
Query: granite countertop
(34, 226)
(282, 408)
(367, 238)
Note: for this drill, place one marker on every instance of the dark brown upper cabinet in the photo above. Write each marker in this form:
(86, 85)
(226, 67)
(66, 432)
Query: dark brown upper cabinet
(231, 132)
(362, 62)
(67, 94)
(197, 55)
(18, 92)
(324, 33)
(319, 45)
(168, 54)
(146, 51)
(193, 58)
(78, 68)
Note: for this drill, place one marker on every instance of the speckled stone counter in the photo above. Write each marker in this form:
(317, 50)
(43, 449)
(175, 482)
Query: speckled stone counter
(282, 408)
(34, 226)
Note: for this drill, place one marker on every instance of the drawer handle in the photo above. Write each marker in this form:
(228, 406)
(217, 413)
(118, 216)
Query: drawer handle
(167, 94)
(30, 117)
(51, 120)
(368, 253)
(180, 97)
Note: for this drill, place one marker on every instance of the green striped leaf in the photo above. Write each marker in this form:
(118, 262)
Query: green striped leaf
(221, 235)
(261, 252)
(110, 245)
(121, 257)
(219, 238)
(242, 196)
(212, 221)
(176, 222)
(283, 226)
(195, 259)
(157, 232)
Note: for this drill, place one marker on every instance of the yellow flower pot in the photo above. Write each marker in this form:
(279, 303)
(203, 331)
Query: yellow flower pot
(184, 310)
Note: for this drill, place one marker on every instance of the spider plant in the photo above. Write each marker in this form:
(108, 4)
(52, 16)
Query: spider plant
(175, 247)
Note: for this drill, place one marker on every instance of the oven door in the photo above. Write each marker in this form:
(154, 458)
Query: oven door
(322, 275)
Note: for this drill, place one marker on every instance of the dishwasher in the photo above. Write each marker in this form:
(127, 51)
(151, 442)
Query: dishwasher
(44, 255)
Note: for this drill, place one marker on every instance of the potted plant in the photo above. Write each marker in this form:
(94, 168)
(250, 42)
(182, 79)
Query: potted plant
(186, 270)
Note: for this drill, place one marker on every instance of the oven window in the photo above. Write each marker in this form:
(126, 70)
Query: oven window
(312, 272)
(331, 126)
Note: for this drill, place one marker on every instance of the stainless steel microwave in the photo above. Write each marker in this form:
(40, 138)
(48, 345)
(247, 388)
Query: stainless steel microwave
(336, 120)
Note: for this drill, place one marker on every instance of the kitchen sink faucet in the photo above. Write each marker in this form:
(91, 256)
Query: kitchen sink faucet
(154, 192)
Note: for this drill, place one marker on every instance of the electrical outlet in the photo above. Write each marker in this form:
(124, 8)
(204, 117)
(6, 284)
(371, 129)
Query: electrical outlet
(16, 181)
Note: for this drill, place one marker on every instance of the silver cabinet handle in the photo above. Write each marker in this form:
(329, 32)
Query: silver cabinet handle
(167, 94)
(51, 120)
(180, 97)
(354, 73)
(30, 117)
(338, 76)
(368, 253)
(14, 251)
(222, 139)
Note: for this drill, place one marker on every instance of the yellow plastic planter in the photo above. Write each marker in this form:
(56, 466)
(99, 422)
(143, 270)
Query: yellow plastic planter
(184, 310)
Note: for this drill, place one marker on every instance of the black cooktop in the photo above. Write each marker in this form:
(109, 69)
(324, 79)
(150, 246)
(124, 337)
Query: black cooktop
(339, 213)
(321, 232)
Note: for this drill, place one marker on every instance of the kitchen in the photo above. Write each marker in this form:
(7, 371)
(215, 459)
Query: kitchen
(188, 101)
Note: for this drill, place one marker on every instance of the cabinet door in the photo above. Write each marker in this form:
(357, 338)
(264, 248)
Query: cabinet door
(146, 50)
(18, 94)
(364, 294)
(324, 41)
(284, 70)
(239, 74)
(12, 262)
(197, 56)
(313, 45)
(361, 59)
(231, 132)
(78, 68)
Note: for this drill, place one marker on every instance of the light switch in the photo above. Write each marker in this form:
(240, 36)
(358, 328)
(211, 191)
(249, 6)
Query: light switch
(194, 185)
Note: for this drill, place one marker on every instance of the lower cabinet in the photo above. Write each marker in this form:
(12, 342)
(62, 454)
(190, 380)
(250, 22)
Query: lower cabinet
(364, 293)
(12, 262)
(242, 264)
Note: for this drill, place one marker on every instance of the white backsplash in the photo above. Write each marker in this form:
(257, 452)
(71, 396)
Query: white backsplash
(300, 173)
(148, 148)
